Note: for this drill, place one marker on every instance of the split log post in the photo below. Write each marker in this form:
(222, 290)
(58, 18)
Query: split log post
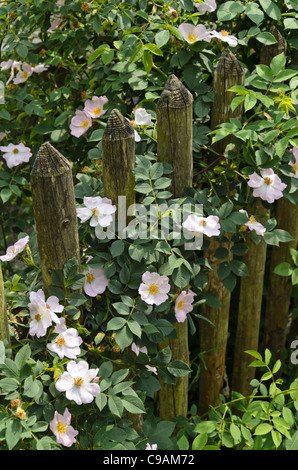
(118, 161)
(279, 288)
(249, 305)
(213, 339)
(174, 115)
(4, 330)
(228, 73)
(251, 289)
(54, 211)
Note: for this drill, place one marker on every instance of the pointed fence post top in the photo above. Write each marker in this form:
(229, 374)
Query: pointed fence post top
(228, 64)
(118, 127)
(49, 162)
(175, 94)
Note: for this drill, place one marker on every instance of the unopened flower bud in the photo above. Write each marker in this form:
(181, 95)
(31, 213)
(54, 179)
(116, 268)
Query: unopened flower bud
(15, 403)
(21, 413)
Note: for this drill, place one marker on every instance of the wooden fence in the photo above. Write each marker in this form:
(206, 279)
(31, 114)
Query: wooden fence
(57, 236)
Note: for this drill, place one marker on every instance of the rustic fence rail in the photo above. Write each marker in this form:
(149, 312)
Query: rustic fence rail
(57, 236)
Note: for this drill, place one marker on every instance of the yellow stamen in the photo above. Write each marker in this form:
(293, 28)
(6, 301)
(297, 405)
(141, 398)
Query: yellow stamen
(95, 211)
(252, 219)
(78, 381)
(89, 278)
(203, 223)
(84, 124)
(153, 289)
(97, 110)
(181, 304)
(37, 317)
(61, 427)
(191, 37)
(60, 341)
(268, 180)
(224, 32)
(24, 75)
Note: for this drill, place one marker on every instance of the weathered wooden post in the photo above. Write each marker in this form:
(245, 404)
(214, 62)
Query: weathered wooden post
(118, 161)
(251, 288)
(213, 339)
(249, 306)
(54, 211)
(228, 73)
(4, 330)
(174, 115)
(279, 288)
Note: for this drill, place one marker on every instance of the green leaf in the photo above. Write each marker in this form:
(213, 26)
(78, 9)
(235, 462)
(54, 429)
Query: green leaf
(262, 429)
(183, 443)
(147, 61)
(266, 38)
(206, 427)
(133, 404)
(271, 9)
(22, 356)
(277, 63)
(116, 323)
(254, 354)
(76, 299)
(13, 433)
(179, 368)
(199, 442)
(117, 248)
(264, 72)
(295, 277)
(235, 433)
(70, 268)
(254, 13)
(239, 268)
(153, 48)
(162, 37)
(5, 194)
(228, 10)
(124, 337)
(107, 56)
(115, 405)
(32, 388)
(291, 23)
(135, 328)
(283, 269)
(22, 51)
(97, 53)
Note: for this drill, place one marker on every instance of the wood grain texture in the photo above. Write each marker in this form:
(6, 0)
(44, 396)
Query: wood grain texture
(228, 73)
(118, 159)
(174, 115)
(250, 306)
(174, 146)
(54, 211)
(213, 339)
